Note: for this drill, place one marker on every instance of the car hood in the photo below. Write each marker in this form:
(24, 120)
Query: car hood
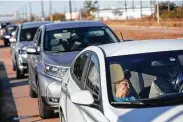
(25, 44)
(61, 59)
(155, 114)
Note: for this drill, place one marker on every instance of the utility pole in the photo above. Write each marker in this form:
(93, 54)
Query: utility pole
(168, 5)
(51, 16)
(50, 7)
(30, 9)
(133, 6)
(158, 12)
(126, 10)
(70, 8)
(141, 8)
(26, 16)
(42, 10)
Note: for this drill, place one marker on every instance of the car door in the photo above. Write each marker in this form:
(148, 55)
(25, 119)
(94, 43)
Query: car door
(90, 80)
(13, 45)
(93, 113)
(75, 83)
(34, 58)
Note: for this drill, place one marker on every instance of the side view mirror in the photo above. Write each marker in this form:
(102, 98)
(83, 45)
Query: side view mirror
(12, 40)
(83, 97)
(31, 50)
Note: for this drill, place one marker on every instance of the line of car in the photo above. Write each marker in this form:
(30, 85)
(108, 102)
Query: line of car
(68, 66)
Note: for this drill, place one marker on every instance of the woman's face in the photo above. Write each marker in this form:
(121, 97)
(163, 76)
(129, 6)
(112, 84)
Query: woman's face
(122, 89)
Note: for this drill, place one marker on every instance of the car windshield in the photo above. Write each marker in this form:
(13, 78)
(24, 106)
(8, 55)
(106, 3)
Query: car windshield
(76, 39)
(152, 78)
(10, 28)
(27, 34)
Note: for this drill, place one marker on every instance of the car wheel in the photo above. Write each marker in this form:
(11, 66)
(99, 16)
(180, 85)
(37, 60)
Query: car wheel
(19, 74)
(181, 89)
(61, 116)
(14, 68)
(5, 43)
(32, 93)
(43, 111)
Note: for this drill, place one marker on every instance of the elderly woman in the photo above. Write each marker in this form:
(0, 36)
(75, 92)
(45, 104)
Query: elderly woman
(121, 86)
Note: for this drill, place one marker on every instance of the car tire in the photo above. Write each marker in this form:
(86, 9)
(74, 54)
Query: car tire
(61, 116)
(5, 43)
(14, 68)
(19, 75)
(43, 111)
(32, 93)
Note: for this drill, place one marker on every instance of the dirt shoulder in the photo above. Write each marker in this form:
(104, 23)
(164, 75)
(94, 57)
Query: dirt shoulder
(144, 33)
(147, 23)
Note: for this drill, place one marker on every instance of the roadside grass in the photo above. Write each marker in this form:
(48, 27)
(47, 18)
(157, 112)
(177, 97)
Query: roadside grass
(8, 108)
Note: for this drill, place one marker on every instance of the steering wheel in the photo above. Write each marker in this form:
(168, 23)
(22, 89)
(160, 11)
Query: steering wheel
(181, 89)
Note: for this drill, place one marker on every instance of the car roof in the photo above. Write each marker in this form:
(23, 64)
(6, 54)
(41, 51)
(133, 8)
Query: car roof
(12, 25)
(141, 46)
(34, 24)
(73, 24)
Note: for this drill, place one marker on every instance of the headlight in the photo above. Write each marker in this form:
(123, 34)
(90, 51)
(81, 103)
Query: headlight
(7, 36)
(56, 71)
(22, 52)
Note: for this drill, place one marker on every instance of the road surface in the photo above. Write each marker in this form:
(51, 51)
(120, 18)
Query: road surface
(26, 107)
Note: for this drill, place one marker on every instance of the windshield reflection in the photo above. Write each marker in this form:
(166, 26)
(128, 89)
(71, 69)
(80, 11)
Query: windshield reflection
(149, 76)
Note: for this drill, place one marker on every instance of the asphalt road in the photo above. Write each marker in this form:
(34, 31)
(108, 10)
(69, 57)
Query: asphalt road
(26, 107)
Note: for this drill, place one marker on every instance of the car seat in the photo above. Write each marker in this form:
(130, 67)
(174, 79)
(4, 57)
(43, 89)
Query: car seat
(159, 87)
(118, 74)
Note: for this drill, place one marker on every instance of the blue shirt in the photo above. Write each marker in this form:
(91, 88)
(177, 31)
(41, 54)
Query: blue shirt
(125, 99)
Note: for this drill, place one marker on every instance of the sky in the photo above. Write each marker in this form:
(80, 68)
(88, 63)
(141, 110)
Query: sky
(13, 6)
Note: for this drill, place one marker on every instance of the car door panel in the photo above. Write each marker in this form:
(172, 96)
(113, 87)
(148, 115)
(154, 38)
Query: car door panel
(34, 61)
(73, 86)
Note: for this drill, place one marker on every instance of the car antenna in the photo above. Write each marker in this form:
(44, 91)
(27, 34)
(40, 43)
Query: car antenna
(122, 36)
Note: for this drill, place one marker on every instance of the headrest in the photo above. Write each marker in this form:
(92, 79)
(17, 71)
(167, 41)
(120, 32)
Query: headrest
(55, 42)
(117, 73)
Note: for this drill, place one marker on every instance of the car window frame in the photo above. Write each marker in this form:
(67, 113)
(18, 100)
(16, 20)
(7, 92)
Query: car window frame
(37, 37)
(78, 82)
(100, 107)
(16, 33)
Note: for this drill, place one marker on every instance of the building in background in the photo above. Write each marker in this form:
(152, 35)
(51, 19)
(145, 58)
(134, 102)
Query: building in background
(75, 16)
(123, 14)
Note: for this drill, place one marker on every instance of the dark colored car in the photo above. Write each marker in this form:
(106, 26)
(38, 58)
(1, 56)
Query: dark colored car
(8, 33)
(56, 45)
(23, 38)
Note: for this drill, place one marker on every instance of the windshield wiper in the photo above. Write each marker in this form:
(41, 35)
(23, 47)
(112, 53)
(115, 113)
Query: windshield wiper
(55, 51)
(163, 99)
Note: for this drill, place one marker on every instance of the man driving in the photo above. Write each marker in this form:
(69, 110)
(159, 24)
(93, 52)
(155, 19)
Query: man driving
(169, 81)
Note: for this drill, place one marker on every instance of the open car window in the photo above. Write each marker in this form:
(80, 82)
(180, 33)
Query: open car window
(154, 76)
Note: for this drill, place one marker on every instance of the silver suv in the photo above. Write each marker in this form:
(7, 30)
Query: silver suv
(23, 38)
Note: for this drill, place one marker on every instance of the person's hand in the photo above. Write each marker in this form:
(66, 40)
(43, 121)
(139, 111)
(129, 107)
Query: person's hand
(122, 89)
